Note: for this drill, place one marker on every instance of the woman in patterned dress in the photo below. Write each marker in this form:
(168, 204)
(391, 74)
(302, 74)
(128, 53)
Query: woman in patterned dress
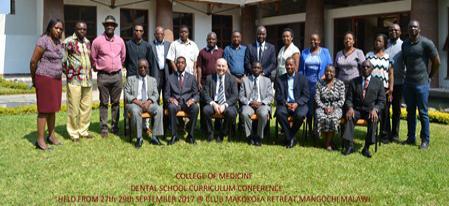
(383, 69)
(329, 97)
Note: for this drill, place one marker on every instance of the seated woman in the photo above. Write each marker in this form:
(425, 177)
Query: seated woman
(330, 98)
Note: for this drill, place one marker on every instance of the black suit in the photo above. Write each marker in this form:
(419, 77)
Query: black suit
(230, 113)
(374, 99)
(268, 59)
(160, 74)
(182, 95)
(301, 97)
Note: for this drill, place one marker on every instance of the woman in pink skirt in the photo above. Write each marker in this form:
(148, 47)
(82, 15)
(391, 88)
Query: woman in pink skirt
(46, 72)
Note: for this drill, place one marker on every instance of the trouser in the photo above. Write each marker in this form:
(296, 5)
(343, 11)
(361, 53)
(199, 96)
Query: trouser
(230, 113)
(396, 107)
(192, 111)
(385, 126)
(282, 114)
(417, 96)
(262, 115)
(79, 109)
(110, 88)
(136, 120)
(348, 133)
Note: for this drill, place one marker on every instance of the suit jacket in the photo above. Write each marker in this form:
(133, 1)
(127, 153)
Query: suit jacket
(268, 58)
(300, 89)
(132, 88)
(374, 97)
(154, 61)
(265, 90)
(189, 91)
(231, 90)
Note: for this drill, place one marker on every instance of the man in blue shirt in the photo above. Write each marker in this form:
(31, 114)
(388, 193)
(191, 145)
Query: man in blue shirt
(235, 56)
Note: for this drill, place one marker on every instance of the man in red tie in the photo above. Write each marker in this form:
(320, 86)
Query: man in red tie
(365, 99)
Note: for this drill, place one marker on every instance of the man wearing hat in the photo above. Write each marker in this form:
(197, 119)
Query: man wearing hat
(108, 56)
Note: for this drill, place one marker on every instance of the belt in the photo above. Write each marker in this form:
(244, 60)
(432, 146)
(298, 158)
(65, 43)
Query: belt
(110, 73)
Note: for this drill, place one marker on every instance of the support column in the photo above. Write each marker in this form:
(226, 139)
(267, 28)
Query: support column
(314, 20)
(248, 24)
(52, 9)
(421, 11)
(164, 17)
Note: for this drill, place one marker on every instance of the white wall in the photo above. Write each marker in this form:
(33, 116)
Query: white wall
(2, 43)
(443, 33)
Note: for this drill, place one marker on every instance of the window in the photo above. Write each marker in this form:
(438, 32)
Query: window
(12, 5)
(73, 14)
(131, 17)
(182, 19)
(222, 26)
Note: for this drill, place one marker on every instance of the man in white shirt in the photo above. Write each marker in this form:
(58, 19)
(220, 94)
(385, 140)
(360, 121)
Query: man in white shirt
(186, 48)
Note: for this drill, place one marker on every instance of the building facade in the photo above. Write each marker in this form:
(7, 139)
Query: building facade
(25, 20)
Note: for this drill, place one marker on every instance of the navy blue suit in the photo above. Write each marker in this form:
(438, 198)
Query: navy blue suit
(268, 59)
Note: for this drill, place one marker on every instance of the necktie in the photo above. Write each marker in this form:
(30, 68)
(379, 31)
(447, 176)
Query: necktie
(365, 87)
(144, 90)
(221, 95)
(181, 81)
(260, 53)
(254, 93)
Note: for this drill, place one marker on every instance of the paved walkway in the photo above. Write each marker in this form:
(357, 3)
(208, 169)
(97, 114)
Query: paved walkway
(26, 99)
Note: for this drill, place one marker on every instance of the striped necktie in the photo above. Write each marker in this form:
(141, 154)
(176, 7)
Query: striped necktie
(221, 94)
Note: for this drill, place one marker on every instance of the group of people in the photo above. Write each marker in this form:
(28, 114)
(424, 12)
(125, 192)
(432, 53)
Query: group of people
(239, 79)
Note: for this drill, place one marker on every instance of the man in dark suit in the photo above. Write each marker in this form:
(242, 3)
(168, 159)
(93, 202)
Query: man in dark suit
(292, 96)
(181, 93)
(219, 96)
(262, 52)
(158, 59)
(256, 95)
(365, 99)
(141, 96)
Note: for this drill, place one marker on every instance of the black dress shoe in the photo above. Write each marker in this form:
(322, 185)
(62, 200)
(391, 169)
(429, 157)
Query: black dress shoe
(348, 150)
(191, 140)
(250, 140)
(409, 142)
(291, 143)
(155, 141)
(210, 138)
(366, 153)
(115, 130)
(139, 143)
(385, 141)
(395, 140)
(257, 141)
(173, 140)
(424, 146)
(49, 140)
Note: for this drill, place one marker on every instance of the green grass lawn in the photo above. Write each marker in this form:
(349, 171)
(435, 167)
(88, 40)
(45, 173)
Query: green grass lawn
(396, 175)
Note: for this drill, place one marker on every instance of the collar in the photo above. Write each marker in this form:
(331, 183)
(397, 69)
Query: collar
(364, 78)
(292, 76)
(254, 77)
(183, 74)
(138, 42)
(222, 76)
(213, 49)
(159, 43)
(417, 39)
(75, 37)
(237, 47)
(107, 38)
(259, 44)
(141, 77)
(181, 42)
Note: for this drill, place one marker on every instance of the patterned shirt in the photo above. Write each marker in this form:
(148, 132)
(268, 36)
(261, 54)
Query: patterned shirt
(51, 62)
(347, 66)
(76, 62)
(381, 65)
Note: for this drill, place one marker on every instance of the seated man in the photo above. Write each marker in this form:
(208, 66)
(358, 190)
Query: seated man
(365, 99)
(256, 95)
(220, 95)
(142, 96)
(181, 93)
(292, 96)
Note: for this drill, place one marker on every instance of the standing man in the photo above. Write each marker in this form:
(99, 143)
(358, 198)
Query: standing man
(292, 97)
(365, 99)
(220, 96)
(136, 48)
(262, 52)
(234, 54)
(77, 68)
(181, 93)
(416, 52)
(142, 96)
(186, 48)
(108, 57)
(158, 60)
(207, 59)
(395, 53)
(256, 95)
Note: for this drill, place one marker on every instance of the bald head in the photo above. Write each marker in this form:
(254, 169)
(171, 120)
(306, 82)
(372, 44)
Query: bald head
(221, 66)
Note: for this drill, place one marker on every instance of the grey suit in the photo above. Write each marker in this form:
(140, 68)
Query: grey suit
(266, 97)
(160, 74)
(131, 93)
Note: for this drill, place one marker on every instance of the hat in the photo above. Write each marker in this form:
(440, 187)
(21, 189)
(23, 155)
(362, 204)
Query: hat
(110, 20)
